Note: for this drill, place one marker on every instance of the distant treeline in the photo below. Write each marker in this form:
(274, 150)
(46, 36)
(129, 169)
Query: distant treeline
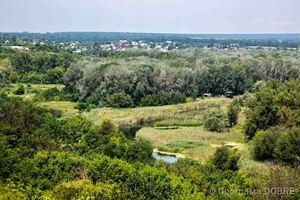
(269, 40)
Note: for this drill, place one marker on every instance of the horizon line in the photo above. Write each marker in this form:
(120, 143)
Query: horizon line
(138, 32)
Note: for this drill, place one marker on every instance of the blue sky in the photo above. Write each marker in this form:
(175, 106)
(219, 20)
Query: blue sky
(167, 16)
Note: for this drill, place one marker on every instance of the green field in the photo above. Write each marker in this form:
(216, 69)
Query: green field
(189, 112)
(30, 89)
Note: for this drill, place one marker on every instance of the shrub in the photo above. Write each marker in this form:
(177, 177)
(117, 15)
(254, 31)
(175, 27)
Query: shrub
(264, 144)
(215, 120)
(119, 100)
(233, 112)
(8, 158)
(190, 99)
(274, 104)
(83, 107)
(72, 129)
(109, 170)
(50, 93)
(279, 144)
(226, 158)
(287, 147)
(85, 189)
(163, 98)
(151, 183)
(45, 170)
(107, 127)
(20, 90)
(158, 183)
(139, 150)
(214, 124)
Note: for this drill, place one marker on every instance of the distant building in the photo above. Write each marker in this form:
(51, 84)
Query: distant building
(77, 51)
(229, 94)
(20, 48)
(124, 46)
(123, 41)
(158, 47)
(207, 95)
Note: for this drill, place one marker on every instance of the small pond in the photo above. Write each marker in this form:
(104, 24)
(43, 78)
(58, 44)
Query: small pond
(166, 158)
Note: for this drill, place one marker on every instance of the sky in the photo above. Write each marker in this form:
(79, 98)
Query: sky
(159, 16)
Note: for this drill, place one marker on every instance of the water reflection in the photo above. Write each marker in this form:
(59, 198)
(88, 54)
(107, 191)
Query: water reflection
(166, 158)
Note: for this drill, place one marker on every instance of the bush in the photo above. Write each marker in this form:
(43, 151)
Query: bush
(190, 99)
(32, 77)
(109, 170)
(279, 144)
(49, 94)
(163, 98)
(226, 158)
(287, 147)
(45, 170)
(264, 144)
(107, 127)
(215, 120)
(274, 104)
(83, 107)
(73, 129)
(8, 158)
(233, 112)
(20, 90)
(85, 189)
(119, 100)
(139, 150)
(214, 124)
(158, 183)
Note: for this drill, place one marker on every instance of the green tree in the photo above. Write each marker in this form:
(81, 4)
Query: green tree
(107, 127)
(233, 112)
(216, 120)
(119, 100)
(226, 159)
(264, 144)
(287, 147)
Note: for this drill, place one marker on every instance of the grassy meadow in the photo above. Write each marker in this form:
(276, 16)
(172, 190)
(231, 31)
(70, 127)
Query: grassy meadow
(188, 113)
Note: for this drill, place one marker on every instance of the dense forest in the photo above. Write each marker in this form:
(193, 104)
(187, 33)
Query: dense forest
(172, 102)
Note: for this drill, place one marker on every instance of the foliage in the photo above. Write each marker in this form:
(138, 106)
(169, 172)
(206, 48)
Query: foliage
(54, 94)
(45, 170)
(139, 150)
(215, 120)
(83, 107)
(162, 99)
(265, 143)
(107, 127)
(105, 169)
(20, 90)
(278, 144)
(85, 189)
(274, 104)
(190, 99)
(35, 66)
(119, 100)
(233, 112)
(287, 147)
(226, 158)
(44, 156)
(275, 109)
